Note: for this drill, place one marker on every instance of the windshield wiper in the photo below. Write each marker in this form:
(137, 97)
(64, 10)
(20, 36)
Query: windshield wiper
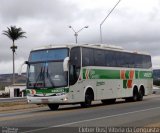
(49, 76)
(40, 76)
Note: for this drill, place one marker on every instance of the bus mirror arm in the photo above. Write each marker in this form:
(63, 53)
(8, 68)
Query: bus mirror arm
(26, 62)
(20, 69)
(65, 64)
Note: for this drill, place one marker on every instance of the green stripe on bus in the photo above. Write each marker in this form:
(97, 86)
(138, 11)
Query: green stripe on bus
(100, 74)
(114, 74)
(127, 74)
(136, 74)
(125, 84)
(49, 90)
(145, 74)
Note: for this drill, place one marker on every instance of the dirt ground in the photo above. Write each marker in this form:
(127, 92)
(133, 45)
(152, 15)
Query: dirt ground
(17, 106)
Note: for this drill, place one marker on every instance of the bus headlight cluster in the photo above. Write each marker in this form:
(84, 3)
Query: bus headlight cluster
(65, 99)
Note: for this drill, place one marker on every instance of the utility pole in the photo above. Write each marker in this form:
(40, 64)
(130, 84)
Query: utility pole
(101, 39)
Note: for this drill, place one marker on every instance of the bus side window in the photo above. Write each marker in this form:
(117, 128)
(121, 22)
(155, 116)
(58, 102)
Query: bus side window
(87, 57)
(99, 57)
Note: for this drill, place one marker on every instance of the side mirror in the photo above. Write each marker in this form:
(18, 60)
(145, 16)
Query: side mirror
(65, 64)
(20, 69)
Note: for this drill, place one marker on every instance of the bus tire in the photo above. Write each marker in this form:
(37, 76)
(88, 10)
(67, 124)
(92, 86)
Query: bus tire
(134, 98)
(53, 106)
(140, 94)
(108, 101)
(89, 96)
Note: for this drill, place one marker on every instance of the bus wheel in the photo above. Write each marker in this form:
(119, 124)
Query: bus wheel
(140, 95)
(53, 106)
(135, 95)
(88, 101)
(108, 101)
(134, 98)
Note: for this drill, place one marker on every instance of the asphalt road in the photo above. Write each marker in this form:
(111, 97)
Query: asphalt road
(74, 119)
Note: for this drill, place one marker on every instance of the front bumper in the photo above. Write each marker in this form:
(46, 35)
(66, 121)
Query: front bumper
(50, 99)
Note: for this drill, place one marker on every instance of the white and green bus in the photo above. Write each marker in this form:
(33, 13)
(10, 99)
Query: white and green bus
(80, 74)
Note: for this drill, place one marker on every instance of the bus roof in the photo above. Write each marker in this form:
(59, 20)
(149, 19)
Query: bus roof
(97, 46)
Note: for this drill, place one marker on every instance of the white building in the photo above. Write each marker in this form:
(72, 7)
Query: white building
(16, 90)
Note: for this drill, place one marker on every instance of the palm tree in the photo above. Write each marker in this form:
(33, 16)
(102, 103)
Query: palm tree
(14, 33)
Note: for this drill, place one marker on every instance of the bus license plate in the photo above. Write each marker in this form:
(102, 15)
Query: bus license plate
(44, 100)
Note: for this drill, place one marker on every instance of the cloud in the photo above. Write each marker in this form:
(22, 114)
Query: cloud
(156, 60)
(17, 9)
(6, 67)
(133, 25)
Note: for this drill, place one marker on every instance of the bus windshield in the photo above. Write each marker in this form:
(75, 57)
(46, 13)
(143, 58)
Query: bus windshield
(48, 55)
(45, 69)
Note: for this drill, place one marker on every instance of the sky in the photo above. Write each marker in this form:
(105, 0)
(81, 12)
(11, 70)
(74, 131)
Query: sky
(134, 25)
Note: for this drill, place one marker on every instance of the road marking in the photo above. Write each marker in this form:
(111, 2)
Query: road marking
(94, 119)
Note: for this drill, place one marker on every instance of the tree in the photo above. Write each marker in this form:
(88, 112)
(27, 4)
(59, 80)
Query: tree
(14, 33)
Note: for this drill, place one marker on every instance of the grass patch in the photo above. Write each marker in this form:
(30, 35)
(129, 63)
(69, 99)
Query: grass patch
(8, 104)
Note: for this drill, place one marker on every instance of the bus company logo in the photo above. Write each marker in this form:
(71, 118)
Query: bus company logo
(91, 74)
(127, 76)
(87, 73)
(32, 92)
(148, 75)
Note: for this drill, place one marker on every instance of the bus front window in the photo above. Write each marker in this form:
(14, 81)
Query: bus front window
(35, 75)
(45, 69)
(55, 76)
(49, 74)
